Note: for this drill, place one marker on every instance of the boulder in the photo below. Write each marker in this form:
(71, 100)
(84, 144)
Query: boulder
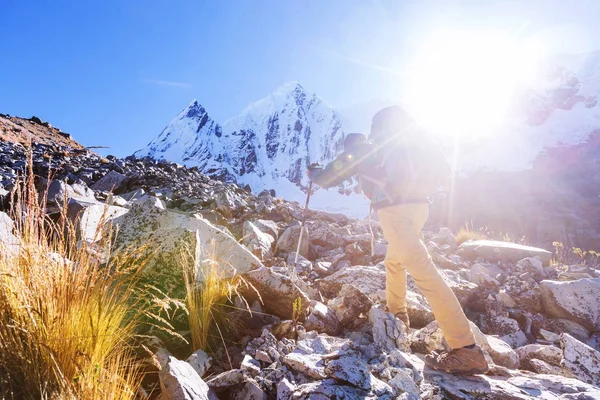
(560, 325)
(288, 241)
(504, 384)
(249, 391)
(168, 235)
(277, 291)
(200, 361)
(322, 319)
(481, 276)
(308, 358)
(580, 359)
(90, 217)
(110, 182)
(179, 381)
(389, 333)
(333, 389)
(493, 250)
(368, 279)
(550, 355)
(533, 265)
(575, 300)
(502, 353)
(8, 242)
(418, 309)
(227, 379)
(257, 241)
(349, 305)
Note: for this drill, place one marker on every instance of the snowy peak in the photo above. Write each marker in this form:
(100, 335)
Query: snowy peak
(271, 140)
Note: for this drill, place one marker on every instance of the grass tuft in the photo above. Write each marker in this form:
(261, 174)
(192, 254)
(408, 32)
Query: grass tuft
(468, 233)
(67, 310)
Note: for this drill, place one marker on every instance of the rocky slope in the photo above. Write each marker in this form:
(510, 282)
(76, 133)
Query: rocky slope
(537, 320)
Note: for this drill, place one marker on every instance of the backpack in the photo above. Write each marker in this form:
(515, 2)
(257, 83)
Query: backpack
(405, 172)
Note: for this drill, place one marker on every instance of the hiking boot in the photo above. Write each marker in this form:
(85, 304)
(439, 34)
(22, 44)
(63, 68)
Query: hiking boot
(403, 316)
(459, 361)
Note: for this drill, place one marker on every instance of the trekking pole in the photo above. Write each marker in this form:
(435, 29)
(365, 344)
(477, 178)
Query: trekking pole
(303, 223)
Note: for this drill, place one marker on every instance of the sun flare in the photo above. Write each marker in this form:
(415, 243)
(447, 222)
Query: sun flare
(461, 83)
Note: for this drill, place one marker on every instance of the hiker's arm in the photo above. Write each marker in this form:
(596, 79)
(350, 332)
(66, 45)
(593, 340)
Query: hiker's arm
(334, 173)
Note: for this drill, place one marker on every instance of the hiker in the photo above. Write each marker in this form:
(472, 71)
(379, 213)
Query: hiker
(398, 169)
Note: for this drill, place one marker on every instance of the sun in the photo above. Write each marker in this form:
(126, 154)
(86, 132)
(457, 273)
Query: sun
(461, 83)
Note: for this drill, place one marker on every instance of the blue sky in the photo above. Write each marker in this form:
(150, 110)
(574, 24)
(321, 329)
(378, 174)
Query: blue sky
(115, 72)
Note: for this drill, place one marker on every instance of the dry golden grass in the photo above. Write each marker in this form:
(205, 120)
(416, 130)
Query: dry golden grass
(207, 295)
(66, 316)
(468, 233)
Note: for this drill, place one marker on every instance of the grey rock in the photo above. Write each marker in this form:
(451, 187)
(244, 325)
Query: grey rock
(418, 309)
(110, 182)
(288, 241)
(257, 241)
(404, 384)
(8, 241)
(277, 291)
(307, 358)
(389, 333)
(149, 222)
(580, 359)
(332, 389)
(200, 361)
(249, 391)
(179, 381)
(368, 279)
(349, 305)
(575, 300)
(250, 366)
(322, 319)
(227, 379)
(548, 354)
(502, 353)
(560, 325)
(350, 369)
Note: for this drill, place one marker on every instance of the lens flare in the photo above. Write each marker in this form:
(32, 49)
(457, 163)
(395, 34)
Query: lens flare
(462, 83)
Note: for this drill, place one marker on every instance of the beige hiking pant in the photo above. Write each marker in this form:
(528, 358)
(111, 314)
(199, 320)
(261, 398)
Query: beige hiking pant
(402, 226)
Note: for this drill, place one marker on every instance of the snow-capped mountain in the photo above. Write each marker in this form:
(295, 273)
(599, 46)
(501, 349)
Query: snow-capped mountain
(267, 146)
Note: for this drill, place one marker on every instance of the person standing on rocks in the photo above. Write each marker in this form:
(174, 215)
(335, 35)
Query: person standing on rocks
(398, 169)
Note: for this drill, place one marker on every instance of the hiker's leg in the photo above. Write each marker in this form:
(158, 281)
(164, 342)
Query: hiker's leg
(395, 282)
(402, 227)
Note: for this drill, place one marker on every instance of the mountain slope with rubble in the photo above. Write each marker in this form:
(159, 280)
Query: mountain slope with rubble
(535, 313)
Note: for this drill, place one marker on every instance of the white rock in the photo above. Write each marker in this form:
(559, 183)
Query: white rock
(505, 299)
(480, 276)
(389, 333)
(580, 359)
(8, 242)
(351, 369)
(516, 339)
(227, 379)
(250, 366)
(368, 279)
(502, 353)
(277, 291)
(179, 381)
(200, 361)
(257, 241)
(493, 250)
(549, 354)
(575, 300)
(150, 223)
(288, 241)
(404, 383)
